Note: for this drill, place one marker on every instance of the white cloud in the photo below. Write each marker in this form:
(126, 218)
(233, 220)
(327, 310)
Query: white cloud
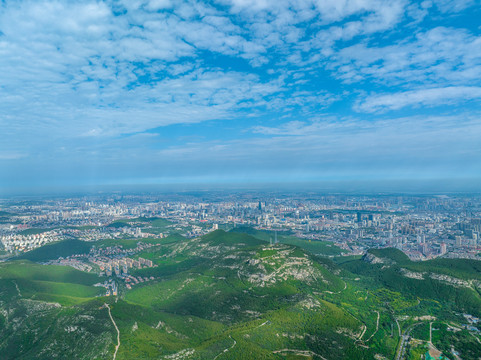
(449, 6)
(195, 96)
(440, 55)
(76, 69)
(156, 5)
(88, 75)
(422, 97)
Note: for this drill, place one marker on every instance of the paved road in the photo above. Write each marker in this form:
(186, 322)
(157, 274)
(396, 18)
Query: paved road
(404, 340)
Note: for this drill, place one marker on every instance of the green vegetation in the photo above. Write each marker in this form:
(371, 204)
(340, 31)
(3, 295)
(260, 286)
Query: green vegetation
(234, 296)
(6, 216)
(33, 231)
(158, 226)
(131, 243)
(392, 273)
(82, 227)
(392, 254)
(59, 249)
(48, 282)
(119, 224)
(150, 225)
(421, 332)
(318, 247)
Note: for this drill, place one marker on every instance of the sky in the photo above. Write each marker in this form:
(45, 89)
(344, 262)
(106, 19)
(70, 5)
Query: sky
(238, 91)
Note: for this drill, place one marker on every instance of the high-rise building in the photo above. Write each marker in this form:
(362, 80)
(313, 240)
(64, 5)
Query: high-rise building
(443, 248)
(458, 240)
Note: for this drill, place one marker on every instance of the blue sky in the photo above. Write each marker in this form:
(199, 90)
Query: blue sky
(164, 91)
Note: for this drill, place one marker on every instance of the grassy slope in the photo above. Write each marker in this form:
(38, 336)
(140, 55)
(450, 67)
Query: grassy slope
(317, 247)
(384, 287)
(213, 291)
(203, 300)
(48, 282)
(132, 243)
(59, 249)
(454, 298)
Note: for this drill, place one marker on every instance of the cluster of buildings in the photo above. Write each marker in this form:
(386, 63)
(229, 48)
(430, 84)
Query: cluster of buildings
(17, 242)
(72, 262)
(121, 266)
(112, 262)
(420, 225)
(134, 280)
(111, 287)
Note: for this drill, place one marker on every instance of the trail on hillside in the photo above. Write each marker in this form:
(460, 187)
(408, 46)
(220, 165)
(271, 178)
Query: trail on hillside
(377, 326)
(430, 332)
(18, 290)
(226, 350)
(116, 328)
(306, 353)
(264, 323)
(337, 292)
(363, 332)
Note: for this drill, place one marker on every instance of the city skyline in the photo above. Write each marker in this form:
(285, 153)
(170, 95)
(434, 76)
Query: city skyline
(244, 92)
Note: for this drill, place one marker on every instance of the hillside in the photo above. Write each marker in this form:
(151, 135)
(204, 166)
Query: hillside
(230, 296)
(262, 297)
(443, 289)
(59, 249)
(451, 281)
(318, 247)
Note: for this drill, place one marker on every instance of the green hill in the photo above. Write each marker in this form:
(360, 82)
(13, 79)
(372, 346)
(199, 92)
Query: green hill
(390, 253)
(254, 292)
(59, 249)
(6, 216)
(33, 231)
(220, 237)
(453, 282)
(318, 247)
(48, 282)
(232, 295)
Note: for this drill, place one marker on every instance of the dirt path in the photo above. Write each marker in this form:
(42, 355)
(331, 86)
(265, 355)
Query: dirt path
(431, 333)
(363, 332)
(264, 323)
(229, 348)
(18, 290)
(116, 328)
(377, 326)
(337, 292)
(479, 341)
(306, 353)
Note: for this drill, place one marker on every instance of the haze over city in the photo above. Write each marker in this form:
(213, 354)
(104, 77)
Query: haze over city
(249, 92)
